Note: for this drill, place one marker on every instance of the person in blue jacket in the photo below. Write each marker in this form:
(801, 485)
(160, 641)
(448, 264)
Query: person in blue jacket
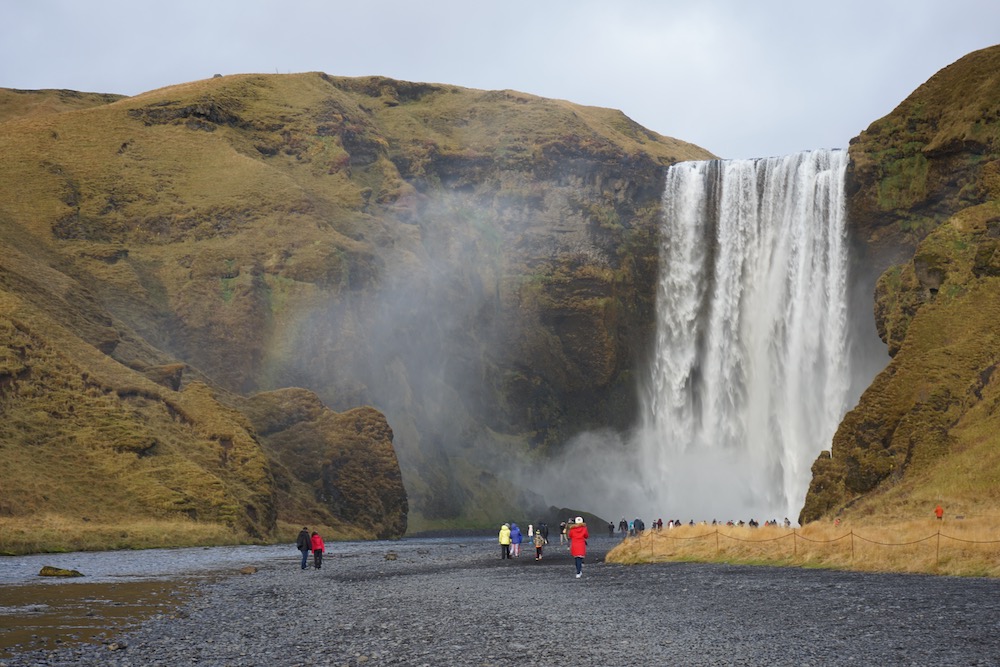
(515, 540)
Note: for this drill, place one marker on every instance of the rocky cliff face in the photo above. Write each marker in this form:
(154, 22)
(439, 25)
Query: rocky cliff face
(925, 199)
(478, 266)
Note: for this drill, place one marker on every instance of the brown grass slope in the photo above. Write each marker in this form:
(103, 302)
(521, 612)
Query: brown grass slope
(98, 453)
(18, 103)
(926, 431)
(968, 547)
(188, 237)
(82, 449)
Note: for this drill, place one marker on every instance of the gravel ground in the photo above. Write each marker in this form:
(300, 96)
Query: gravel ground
(457, 603)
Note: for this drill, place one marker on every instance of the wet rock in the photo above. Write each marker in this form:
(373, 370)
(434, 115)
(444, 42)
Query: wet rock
(50, 571)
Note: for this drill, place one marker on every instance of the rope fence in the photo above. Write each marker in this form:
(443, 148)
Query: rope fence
(654, 536)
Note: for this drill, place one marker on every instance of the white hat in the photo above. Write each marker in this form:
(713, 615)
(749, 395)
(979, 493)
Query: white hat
(579, 519)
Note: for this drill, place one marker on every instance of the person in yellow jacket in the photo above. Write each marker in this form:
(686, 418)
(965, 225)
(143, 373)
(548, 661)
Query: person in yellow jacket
(505, 541)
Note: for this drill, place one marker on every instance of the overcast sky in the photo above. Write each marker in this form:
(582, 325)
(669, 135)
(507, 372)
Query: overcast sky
(741, 78)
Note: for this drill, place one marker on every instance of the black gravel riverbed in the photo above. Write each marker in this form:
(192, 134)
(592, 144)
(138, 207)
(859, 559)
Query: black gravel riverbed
(441, 602)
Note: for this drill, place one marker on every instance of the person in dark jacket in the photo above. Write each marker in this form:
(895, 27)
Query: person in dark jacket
(304, 544)
(317, 547)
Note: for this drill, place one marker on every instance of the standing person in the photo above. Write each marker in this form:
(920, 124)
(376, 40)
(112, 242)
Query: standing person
(539, 543)
(304, 544)
(562, 532)
(317, 547)
(544, 529)
(515, 539)
(939, 512)
(578, 544)
(504, 542)
(623, 528)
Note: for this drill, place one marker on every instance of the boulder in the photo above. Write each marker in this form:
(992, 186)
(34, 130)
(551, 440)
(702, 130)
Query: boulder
(51, 571)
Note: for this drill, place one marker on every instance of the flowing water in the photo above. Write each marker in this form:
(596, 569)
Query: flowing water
(751, 373)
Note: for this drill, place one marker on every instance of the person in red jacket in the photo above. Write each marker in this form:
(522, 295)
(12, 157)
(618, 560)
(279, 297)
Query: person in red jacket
(317, 545)
(578, 543)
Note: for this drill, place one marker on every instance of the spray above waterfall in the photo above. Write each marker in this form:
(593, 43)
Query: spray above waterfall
(750, 375)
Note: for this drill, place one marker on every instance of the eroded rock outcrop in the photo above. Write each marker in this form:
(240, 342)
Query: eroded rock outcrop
(346, 461)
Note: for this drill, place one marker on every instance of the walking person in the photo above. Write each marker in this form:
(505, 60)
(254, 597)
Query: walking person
(304, 544)
(515, 540)
(539, 544)
(578, 544)
(504, 542)
(317, 548)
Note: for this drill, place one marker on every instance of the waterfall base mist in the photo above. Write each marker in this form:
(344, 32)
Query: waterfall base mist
(601, 472)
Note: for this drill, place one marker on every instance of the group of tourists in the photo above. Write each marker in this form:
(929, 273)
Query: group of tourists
(637, 527)
(511, 538)
(574, 531)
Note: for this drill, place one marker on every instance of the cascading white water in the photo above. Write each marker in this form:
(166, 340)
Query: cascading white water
(751, 374)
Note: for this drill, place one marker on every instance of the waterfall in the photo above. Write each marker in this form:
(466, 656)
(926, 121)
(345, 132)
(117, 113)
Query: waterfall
(750, 376)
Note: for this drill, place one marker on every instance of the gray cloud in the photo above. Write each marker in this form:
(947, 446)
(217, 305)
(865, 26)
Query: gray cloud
(740, 79)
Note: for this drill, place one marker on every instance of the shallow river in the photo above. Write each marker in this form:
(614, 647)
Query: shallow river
(116, 566)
